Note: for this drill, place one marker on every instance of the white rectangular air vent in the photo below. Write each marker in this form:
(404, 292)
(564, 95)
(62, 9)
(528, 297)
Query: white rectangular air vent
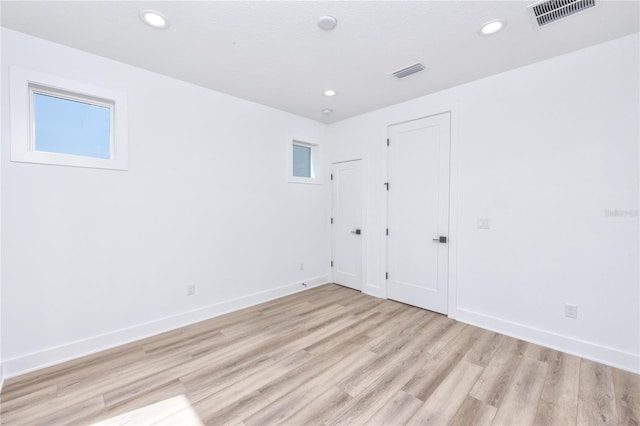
(405, 72)
(548, 11)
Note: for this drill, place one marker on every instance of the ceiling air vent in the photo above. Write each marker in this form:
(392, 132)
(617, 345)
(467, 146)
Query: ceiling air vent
(548, 11)
(405, 72)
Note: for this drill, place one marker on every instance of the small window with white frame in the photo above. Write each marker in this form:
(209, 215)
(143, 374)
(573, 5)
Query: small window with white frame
(304, 162)
(61, 122)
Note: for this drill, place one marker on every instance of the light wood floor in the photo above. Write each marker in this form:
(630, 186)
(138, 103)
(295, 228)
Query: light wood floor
(327, 355)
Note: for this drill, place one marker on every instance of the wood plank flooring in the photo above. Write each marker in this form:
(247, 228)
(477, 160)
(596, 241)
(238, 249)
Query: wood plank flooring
(329, 355)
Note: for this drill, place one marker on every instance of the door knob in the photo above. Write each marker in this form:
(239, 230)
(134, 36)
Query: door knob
(440, 240)
(357, 232)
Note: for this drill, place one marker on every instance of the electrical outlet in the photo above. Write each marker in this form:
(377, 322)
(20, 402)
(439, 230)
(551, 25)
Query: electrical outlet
(483, 223)
(570, 311)
(302, 266)
(191, 289)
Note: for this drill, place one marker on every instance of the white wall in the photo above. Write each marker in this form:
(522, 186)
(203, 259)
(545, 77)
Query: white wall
(93, 258)
(1, 365)
(542, 151)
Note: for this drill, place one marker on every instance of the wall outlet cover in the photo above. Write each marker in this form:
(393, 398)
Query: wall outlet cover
(483, 223)
(570, 310)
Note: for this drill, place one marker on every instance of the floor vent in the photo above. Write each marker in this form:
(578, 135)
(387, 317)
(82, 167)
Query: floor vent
(405, 72)
(548, 11)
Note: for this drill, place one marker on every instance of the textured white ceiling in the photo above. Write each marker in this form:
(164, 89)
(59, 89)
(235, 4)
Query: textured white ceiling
(273, 53)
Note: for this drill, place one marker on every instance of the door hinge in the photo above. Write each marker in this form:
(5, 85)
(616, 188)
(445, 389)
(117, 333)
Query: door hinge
(332, 263)
(387, 231)
(331, 176)
(387, 141)
(332, 221)
(387, 185)
(386, 275)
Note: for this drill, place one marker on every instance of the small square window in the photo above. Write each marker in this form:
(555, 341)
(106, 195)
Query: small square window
(64, 122)
(304, 162)
(301, 161)
(70, 126)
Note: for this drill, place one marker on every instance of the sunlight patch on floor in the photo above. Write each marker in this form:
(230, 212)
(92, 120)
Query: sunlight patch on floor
(172, 411)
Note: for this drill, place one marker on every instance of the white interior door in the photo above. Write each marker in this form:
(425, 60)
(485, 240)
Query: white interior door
(418, 204)
(346, 228)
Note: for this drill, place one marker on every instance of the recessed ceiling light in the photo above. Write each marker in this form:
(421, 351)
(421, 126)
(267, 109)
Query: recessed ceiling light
(154, 19)
(492, 27)
(329, 93)
(327, 22)
(327, 111)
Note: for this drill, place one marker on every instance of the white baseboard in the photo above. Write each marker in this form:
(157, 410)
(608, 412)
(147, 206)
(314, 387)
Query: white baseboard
(374, 291)
(592, 351)
(1, 377)
(56, 355)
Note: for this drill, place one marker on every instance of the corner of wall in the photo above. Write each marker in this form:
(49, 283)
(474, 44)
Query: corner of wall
(374, 291)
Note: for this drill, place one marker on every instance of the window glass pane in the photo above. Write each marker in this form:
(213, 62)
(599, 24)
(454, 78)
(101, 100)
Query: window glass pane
(301, 161)
(71, 127)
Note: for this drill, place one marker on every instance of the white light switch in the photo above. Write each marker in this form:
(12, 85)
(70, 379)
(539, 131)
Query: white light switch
(483, 223)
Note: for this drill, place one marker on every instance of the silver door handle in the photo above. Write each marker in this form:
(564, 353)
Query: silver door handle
(356, 231)
(440, 240)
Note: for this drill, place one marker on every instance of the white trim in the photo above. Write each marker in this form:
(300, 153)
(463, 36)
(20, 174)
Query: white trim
(454, 174)
(1, 377)
(374, 291)
(55, 355)
(316, 161)
(581, 348)
(23, 82)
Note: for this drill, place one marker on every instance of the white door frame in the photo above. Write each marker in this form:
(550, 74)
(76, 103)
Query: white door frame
(364, 226)
(454, 111)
